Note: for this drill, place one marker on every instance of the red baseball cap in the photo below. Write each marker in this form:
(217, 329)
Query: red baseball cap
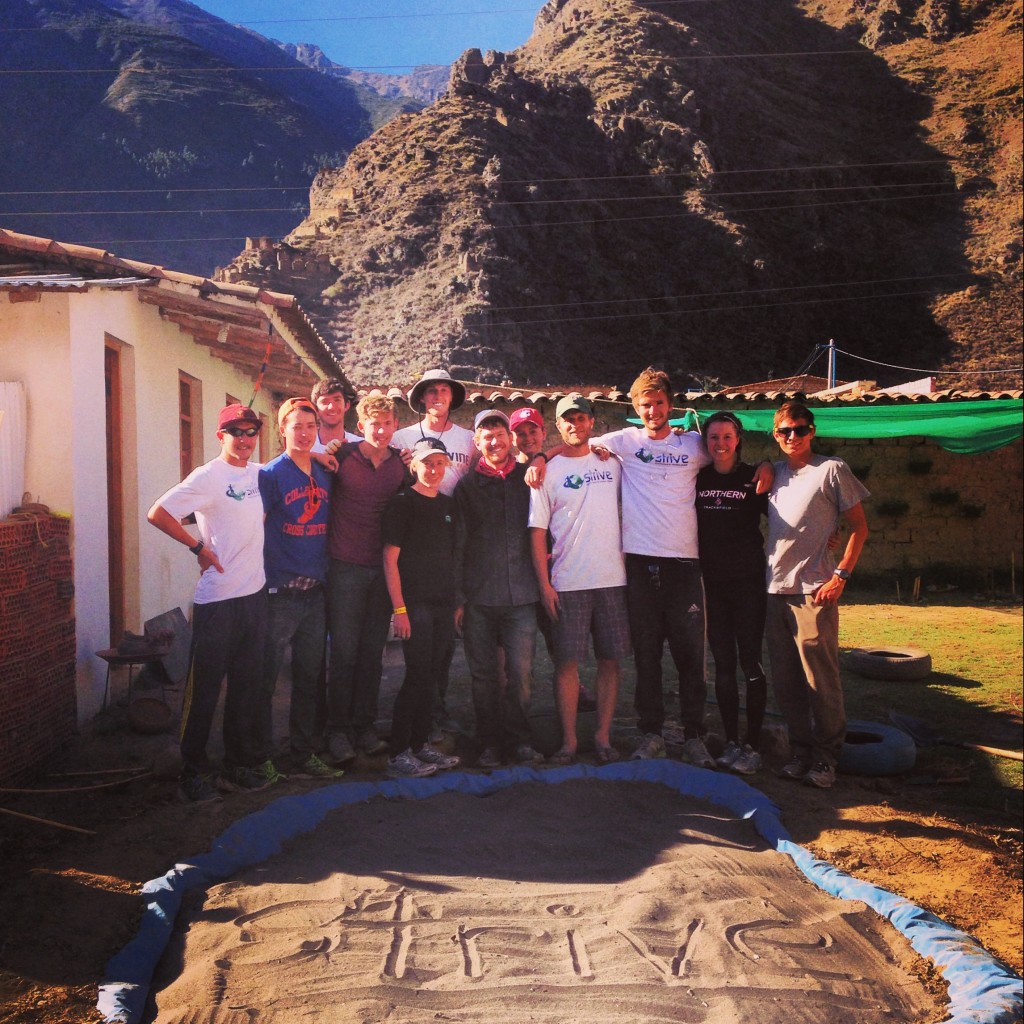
(527, 414)
(237, 413)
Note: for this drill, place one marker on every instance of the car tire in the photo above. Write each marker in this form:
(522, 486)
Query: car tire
(871, 748)
(894, 664)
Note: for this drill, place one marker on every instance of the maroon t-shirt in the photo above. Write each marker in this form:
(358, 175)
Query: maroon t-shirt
(359, 495)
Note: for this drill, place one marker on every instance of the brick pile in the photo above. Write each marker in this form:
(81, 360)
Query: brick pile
(37, 640)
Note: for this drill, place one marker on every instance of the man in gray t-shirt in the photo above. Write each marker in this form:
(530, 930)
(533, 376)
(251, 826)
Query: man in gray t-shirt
(809, 496)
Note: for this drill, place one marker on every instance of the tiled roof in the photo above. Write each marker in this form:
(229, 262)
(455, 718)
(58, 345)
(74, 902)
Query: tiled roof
(236, 322)
(495, 394)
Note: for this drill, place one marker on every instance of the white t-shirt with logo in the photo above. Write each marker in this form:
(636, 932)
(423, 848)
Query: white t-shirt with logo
(229, 513)
(579, 503)
(459, 442)
(659, 488)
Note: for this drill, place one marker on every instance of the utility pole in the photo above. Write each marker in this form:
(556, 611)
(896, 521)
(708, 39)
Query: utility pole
(831, 362)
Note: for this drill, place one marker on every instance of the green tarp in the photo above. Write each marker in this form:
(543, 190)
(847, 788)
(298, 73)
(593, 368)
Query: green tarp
(963, 427)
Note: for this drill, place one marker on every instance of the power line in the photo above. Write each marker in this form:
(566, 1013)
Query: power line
(744, 291)
(700, 309)
(917, 369)
(653, 178)
(230, 70)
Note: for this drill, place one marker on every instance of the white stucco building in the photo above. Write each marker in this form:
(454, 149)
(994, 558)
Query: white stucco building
(112, 373)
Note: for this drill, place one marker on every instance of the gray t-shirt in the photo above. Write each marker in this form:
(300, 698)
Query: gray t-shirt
(804, 508)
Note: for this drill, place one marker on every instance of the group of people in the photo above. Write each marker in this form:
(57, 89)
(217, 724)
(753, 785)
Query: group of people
(623, 542)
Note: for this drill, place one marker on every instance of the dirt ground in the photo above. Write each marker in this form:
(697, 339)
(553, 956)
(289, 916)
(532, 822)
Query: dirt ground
(69, 900)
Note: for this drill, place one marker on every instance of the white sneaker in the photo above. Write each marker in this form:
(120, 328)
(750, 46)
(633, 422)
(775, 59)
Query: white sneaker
(729, 755)
(407, 765)
(748, 762)
(651, 746)
(428, 755)
(696, 753)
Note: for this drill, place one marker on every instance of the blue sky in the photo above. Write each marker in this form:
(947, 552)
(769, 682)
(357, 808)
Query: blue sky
(391, 35)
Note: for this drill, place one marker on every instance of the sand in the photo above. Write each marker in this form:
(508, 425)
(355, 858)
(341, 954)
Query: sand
(595, 901)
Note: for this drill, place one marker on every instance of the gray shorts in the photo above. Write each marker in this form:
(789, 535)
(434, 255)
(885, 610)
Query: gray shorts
(598, 613)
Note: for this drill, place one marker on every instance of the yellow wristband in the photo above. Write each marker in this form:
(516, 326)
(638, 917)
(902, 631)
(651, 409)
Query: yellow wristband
(401, 611)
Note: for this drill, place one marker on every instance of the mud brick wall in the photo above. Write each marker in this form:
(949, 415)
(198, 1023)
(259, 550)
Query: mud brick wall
(932, 513)
(37, 640)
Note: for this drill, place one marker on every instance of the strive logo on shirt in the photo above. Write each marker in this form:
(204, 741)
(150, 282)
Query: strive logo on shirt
(592, 476)
(232, 493)
(662, 458)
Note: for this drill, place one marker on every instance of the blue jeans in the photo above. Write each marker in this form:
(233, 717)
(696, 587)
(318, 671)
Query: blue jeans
(298, 618)
(360, 615)
(666, 602)
(500, 717)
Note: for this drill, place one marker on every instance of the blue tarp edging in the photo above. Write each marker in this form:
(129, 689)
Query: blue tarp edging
(982, 990)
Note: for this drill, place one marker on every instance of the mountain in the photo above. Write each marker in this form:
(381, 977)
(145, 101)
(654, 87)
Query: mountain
(716, 188)
(211, 131)
(422, 85)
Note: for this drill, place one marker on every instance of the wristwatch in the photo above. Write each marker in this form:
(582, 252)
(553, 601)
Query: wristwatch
(197, 547)
(843, 574)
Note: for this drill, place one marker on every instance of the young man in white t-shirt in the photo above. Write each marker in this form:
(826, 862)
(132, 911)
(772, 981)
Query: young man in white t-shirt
(435, 396)
(585, 593)
(229, 618)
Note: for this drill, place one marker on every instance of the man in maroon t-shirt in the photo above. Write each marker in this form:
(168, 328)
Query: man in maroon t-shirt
(369, 475)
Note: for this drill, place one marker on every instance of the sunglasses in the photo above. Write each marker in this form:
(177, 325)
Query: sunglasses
(242, 431)
(802, 431)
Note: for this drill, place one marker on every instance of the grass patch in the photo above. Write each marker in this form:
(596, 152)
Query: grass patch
(973, 694)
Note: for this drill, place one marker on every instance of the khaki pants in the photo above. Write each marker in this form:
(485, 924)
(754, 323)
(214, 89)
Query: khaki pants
(803, 644)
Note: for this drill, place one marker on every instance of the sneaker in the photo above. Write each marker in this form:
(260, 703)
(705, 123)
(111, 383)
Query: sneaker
(748, 762)
(339, 748)
(314, 768)
(407, 765)
(525, 754)
(729, 755)
(652, 745)
(239, 780)
(795, 768)
(428, 755)
(697, 754)
(269, 771)
(820, 774)
(369, 742)
(197, 789)
(490, 757)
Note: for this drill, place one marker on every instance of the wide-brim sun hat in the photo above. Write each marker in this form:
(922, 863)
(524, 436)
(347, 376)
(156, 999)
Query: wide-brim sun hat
(436, 377)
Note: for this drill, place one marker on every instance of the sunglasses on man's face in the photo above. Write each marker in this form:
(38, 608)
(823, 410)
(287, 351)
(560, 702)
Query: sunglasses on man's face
(801, 431)
(242, 431)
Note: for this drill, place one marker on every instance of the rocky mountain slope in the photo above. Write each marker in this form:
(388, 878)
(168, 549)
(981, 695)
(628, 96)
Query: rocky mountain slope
(210, 132)
(713, 187)
(422, 85)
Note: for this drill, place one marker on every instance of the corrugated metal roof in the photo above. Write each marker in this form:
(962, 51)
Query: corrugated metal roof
(67, 281)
